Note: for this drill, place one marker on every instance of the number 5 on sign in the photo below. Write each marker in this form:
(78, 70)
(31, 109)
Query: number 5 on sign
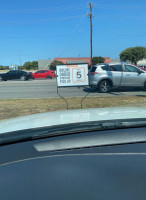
(78, 75)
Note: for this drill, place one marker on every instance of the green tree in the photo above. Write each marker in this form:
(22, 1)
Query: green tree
(133, 54)
(54, 63)
(4, 67)
(97, 60)
(30, 65)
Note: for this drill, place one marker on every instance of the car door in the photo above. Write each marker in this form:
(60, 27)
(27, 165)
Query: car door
(44, 74)
(133, 76)
(11, 75)
(115, 73)
(38, 74)
(48, 74)
(22, 73)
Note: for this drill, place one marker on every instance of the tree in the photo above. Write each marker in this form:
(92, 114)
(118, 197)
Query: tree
(30, 65)
(54, 63)
(133, 54)
(97, 60)
(34, 64)
(4, 67)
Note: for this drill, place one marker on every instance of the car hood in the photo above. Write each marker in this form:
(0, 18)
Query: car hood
(71, 116)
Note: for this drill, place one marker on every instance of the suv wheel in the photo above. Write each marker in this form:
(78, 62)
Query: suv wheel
(1, 78)
(104, 86)
(22, 78)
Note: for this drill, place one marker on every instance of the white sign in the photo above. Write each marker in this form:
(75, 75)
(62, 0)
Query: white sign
(72, 75)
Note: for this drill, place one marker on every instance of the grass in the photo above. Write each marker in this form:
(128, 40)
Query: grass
(21, 107)
(4, 71)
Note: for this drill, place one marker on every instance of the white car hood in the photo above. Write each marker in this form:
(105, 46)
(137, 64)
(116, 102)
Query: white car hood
(71, 116)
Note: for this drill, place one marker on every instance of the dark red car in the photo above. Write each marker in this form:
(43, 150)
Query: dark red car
(44, 74)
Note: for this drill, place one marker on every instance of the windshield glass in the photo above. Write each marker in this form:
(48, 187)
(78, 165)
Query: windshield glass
(71, 55)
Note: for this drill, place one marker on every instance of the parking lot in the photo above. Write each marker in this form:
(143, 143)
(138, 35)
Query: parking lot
(47, 88)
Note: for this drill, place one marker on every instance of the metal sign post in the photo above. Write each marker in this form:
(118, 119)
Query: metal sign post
(62, 98)
(72, 76)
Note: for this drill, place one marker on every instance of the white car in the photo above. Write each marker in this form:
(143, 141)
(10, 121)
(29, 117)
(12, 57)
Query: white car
(105, 76)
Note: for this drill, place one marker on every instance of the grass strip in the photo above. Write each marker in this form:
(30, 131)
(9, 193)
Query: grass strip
(21, 107)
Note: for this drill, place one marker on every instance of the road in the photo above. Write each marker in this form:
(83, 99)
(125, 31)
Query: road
(48, 89)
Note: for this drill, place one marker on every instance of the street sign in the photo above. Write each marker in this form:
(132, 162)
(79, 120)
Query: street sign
(72, 75)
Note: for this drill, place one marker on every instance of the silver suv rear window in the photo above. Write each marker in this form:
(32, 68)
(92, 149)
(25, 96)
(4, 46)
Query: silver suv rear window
(93, 69)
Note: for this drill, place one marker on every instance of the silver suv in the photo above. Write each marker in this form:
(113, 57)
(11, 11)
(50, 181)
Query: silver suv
(105, 76)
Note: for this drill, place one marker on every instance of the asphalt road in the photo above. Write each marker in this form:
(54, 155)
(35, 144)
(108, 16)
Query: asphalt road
(48, 89)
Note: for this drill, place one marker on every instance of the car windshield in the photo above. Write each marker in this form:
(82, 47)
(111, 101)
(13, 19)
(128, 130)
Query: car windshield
(68, 59)
(73, 100)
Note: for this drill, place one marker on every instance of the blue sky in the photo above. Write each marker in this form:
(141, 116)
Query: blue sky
(41, 29)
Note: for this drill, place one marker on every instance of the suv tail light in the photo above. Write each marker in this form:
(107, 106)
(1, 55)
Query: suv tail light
(93, 73)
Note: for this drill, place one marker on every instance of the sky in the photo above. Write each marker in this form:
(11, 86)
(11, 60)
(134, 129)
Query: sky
(42, 29)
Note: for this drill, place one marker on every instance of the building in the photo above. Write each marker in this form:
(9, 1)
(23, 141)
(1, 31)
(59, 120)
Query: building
(76, 60)
(116, 60)
(107, 60)
(44, 64)
(142, 62)
(13, 67)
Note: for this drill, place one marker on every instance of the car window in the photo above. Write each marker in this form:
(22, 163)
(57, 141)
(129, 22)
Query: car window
(112, 68)
(130, 68)
(93, 69)
(117, 68)
(52, 40)
(105, 67)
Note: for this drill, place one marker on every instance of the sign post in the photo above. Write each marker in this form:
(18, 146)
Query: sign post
(72, 76)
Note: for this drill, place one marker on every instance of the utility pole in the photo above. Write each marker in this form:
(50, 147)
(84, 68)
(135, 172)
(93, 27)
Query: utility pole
(91, 26)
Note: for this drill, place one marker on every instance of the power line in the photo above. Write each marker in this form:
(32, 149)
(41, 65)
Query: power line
(60, 8)
(77, 25)
(116, 17)
(42, 20)
(107, 6)
(41, 36)
(70, 35)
